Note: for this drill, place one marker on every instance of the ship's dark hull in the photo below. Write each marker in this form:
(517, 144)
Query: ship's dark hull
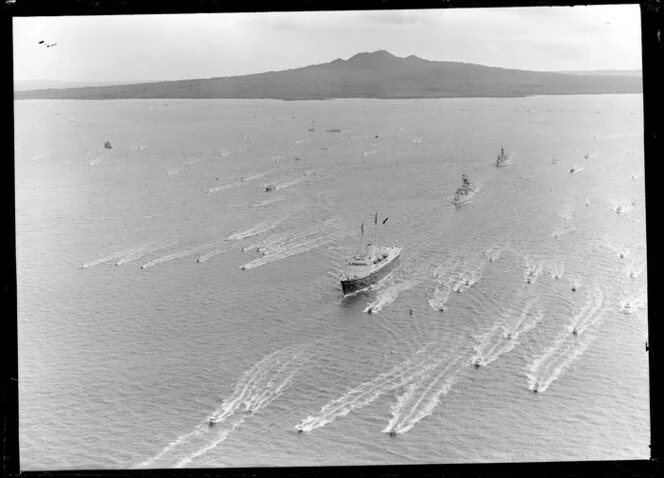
(349, 286)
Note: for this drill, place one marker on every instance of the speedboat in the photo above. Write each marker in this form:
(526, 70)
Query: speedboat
(108, 145)
(393, 433)
(270, 188)
(536, 388)
(212, 421)
(574, 331)
(477, 363)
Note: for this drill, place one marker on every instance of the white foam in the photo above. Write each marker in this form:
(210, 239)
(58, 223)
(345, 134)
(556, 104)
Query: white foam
(174, 256)
(567, 347)
(422, 397)
(257, 387)
(367, 392)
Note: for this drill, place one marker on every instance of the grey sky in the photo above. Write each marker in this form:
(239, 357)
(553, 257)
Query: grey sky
(171, 47)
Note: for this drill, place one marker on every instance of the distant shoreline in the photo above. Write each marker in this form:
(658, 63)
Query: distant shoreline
(329, 99)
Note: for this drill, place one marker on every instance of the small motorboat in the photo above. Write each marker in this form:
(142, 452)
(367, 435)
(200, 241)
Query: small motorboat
(211, 421)
(574, 331)
(270, 188)
(508, 336)
(108, 145)
(393, 433)
(410, 312)
(536, 388)
(573, 288)
(477, 363)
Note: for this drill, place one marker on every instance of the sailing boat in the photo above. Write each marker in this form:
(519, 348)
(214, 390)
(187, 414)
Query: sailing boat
(369, 265)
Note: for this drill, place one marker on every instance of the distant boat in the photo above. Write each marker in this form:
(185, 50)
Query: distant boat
(311, 129)
(465, 192)
(270, 188)
(108, 145)
(369, 265)
(502, 158)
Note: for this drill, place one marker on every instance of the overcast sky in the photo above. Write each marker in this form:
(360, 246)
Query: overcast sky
(172, 47)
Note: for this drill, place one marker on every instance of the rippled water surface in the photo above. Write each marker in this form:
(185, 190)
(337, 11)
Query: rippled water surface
(160, 284)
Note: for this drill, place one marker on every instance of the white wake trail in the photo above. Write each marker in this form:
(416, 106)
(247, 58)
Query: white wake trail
(368, 392)
(568, 346)
(422, 397)
(257, 387)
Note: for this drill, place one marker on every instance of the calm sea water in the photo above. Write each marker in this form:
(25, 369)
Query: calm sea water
(136, 322)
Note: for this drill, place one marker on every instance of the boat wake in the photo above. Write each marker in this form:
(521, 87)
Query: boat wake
(440, 296)
(623, 207)
(253, 176)
(492, 253)
(635, 268)
(176, 255)
(267, 202)
(532, 270)
(131, 254)
(557, 269)
(388, 295)
(287, 246)
(620, 249)
(504, 334)
(367, 392)
(575, 282)
(213, 253)
(288, 184)
(257, 388)
(568, 346)
(285, 240)
(460, 275)
(259, 228)
(634, 302)
(225, 186)
(423, 395)
(562, 230)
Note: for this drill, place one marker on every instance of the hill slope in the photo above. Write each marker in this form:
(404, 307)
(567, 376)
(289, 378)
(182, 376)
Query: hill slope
(365, 75)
